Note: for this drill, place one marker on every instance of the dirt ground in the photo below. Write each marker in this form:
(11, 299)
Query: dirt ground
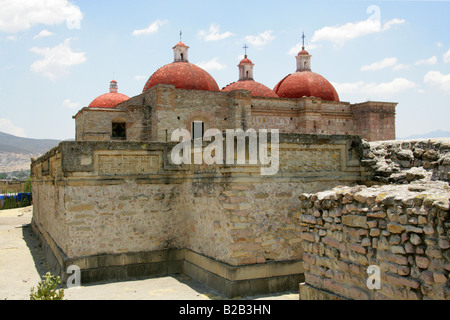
(22, 264)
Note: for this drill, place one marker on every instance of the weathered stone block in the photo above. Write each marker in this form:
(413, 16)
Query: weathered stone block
(355, 221)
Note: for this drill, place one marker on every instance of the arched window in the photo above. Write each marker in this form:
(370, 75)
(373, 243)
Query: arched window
(181, 55)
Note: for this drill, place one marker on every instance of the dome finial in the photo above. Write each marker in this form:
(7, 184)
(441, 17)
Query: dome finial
(113, 87)
(303, 39)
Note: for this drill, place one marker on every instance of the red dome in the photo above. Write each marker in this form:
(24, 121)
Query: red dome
(246, 60)
(306, 83)
(108, 100)
(183, 75)
(303, 52)
(257, 89)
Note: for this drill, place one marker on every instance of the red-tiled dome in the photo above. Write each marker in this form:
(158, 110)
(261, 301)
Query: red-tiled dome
(303, 52)
(306, 83)
(257, 89)
(111, 99)
(108, 100)
(180, 44)
(183, 75)
(246, 60)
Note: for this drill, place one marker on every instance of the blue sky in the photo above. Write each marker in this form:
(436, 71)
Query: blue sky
(57, 56)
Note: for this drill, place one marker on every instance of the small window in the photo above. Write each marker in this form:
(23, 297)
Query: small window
(198, 128)
(119, 131)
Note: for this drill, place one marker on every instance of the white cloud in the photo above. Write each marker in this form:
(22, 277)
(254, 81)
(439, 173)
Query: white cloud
(440, 44)
(210, 65)
(438, 80)
(11, 38)
(151, 29)
(446, 56)
(378, 89)
(21, 15)
(385, 63)
(57, 60)
(71, 105)
(6, 126)
(427, 62)
(349, 31)
(401, 67)
(261, 39)
(43, 33)
(391, 23)
(140, 77)
(213, 34)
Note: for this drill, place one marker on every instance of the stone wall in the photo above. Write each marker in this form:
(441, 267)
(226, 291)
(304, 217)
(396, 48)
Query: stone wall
(114, 199)
(406, 161)
(155, 114)
(7, 186)
(401, 227)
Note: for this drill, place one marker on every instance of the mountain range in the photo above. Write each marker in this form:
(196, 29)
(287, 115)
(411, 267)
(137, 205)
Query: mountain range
(16, 152)
(430, 135)
(13, 144)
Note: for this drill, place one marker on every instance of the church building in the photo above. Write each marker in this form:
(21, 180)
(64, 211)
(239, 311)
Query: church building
(181, 95)
(114, 204)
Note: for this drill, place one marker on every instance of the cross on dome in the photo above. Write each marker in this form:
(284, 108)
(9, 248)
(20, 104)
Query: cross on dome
(303, 39)
(245, 47)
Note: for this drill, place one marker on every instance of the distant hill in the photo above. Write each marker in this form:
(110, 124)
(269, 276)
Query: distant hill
(13, 144)
(16, 152)
(430, 135)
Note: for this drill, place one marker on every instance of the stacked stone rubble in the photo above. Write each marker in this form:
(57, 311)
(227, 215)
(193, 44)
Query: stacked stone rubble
(406, 161)
(402, 229)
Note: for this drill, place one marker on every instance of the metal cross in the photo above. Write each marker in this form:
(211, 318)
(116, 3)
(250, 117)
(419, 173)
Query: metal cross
(303, 38)
(181, 33)
(245, 47)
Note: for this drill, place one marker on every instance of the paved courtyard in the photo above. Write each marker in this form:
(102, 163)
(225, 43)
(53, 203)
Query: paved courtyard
(22, 264)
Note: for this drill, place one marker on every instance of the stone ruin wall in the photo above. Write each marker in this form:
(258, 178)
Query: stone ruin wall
(398, 221)
(110, 198)
(400, 224)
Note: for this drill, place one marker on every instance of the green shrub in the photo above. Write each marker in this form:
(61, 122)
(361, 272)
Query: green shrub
(27, 185)
(47, 289)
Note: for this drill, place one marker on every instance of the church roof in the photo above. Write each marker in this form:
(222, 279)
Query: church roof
(306, 84)
(257, 89)
(109, 100)
(180, 44)
(303, 52)
(183, 75)
(246, 60)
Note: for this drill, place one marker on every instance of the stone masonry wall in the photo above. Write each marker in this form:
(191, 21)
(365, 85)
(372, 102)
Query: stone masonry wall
(98, 198)
(401, 227)
(155, 114)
